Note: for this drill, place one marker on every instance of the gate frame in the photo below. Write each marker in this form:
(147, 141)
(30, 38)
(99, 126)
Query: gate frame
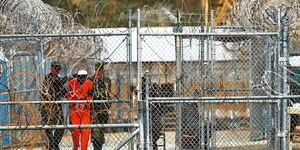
(283, 55)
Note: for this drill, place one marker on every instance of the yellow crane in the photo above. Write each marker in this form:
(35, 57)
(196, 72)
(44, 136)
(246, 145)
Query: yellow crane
(221, 12)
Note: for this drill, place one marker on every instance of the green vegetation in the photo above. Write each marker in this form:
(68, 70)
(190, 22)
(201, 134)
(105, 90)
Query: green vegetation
(112, 13)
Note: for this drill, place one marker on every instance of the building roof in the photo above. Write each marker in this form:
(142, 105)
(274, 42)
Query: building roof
(157, 48)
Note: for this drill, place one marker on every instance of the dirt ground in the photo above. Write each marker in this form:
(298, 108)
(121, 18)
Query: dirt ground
(236, 139)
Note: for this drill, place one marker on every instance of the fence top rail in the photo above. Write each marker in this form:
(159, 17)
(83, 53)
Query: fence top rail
(222, 98)
(214, 101)
(214, 34)
(39, 127)
(63, 102)
(61, 35)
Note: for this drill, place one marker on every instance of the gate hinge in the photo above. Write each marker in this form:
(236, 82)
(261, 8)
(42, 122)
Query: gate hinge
(283, 134)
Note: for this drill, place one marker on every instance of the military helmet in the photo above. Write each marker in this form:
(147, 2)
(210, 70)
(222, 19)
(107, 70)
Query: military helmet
(56, 64)
(99, 64)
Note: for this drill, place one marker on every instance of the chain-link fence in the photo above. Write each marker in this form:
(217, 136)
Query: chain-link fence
(222, 86)
(208, 87)
(212, 124)
(79, 98)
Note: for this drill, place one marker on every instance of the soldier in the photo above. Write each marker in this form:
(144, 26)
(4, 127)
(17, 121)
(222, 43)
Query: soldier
(52, 114)
(157, 111)
(100, 111)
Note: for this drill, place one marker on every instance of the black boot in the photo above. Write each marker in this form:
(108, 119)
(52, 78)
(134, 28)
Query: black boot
(97, 143)
(97, 146)
(56, 147)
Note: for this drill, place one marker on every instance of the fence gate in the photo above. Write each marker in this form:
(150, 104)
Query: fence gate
(36, 112)
(222, 89)
(197, 87)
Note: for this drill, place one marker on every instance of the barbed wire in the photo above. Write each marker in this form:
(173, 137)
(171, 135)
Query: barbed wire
(265, 13)
(25, 82)
(36, 17)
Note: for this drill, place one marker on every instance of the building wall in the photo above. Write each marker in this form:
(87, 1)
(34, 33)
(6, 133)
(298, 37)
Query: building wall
(227, 76)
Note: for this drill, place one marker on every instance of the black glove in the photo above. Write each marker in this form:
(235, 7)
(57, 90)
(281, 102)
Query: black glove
(74, 75)
(91, 92)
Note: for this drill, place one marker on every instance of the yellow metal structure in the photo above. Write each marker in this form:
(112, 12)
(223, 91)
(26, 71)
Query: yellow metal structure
(221, 13)
(204, 5)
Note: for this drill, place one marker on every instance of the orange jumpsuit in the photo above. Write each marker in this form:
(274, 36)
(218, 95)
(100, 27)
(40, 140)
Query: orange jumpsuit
(80, 112)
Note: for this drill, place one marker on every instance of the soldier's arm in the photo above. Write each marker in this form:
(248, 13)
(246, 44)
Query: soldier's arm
(45, 95)
(46, 86)
(64, 79)
(109, 89)
(68, 78)
(109, 95)
(63, 83)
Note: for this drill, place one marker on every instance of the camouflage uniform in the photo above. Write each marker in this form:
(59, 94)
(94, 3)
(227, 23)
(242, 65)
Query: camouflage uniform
(52, 114)
(100, 111)
(157, 111)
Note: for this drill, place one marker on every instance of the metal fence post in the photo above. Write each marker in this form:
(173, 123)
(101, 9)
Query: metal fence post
(129, 61)
(212, 53)
(179, 82)
(276, 85)
(211, 116)
(283, 132)
(279, 87)
(147, 117)
(140, 102)
(40, 58)
(271, 138)
(201, 84)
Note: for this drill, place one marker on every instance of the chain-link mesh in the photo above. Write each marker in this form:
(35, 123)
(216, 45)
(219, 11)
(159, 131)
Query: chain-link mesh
(215, 125)
(211, 66)
(216, 66)
(74, 53)
(200, 62)
(97, 69)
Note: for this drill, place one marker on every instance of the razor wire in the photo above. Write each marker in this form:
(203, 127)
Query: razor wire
(202, 118)
(25, 83)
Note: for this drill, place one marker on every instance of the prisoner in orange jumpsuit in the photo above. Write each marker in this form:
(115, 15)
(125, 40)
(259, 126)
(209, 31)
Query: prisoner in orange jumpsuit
(79, 89)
